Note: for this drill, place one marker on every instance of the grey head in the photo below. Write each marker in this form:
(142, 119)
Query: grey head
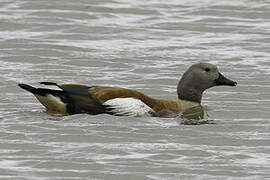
(198, 78)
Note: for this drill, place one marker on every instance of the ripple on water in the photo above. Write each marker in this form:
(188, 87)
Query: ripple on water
(144, 45)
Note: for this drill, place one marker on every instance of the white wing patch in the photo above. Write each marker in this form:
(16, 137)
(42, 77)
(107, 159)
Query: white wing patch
(128, 107)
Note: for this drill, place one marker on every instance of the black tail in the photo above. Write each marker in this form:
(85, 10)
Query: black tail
(28, 88)
(49, 83)
(40, 91)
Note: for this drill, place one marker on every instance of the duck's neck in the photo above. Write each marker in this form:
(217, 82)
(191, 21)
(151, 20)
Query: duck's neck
(189, 94)
(186, 104)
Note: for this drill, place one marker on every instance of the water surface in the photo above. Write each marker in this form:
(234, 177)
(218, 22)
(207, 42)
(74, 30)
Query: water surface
(144, 45)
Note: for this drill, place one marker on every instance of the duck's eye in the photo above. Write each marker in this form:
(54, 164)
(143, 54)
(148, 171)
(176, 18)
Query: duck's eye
(207, 69)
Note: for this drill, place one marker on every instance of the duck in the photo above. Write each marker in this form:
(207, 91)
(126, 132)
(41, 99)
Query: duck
(70, 99)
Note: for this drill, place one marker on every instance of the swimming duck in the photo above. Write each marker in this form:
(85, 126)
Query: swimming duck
(74, 98)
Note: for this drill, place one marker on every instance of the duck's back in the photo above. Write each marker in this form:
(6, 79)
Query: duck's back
(161, 107)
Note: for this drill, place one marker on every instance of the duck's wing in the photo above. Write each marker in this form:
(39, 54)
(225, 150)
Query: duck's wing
(128, 107)
(96, 99)
(121, 101)
(114, 100)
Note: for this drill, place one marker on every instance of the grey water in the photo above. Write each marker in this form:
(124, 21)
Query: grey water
(143, 45)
